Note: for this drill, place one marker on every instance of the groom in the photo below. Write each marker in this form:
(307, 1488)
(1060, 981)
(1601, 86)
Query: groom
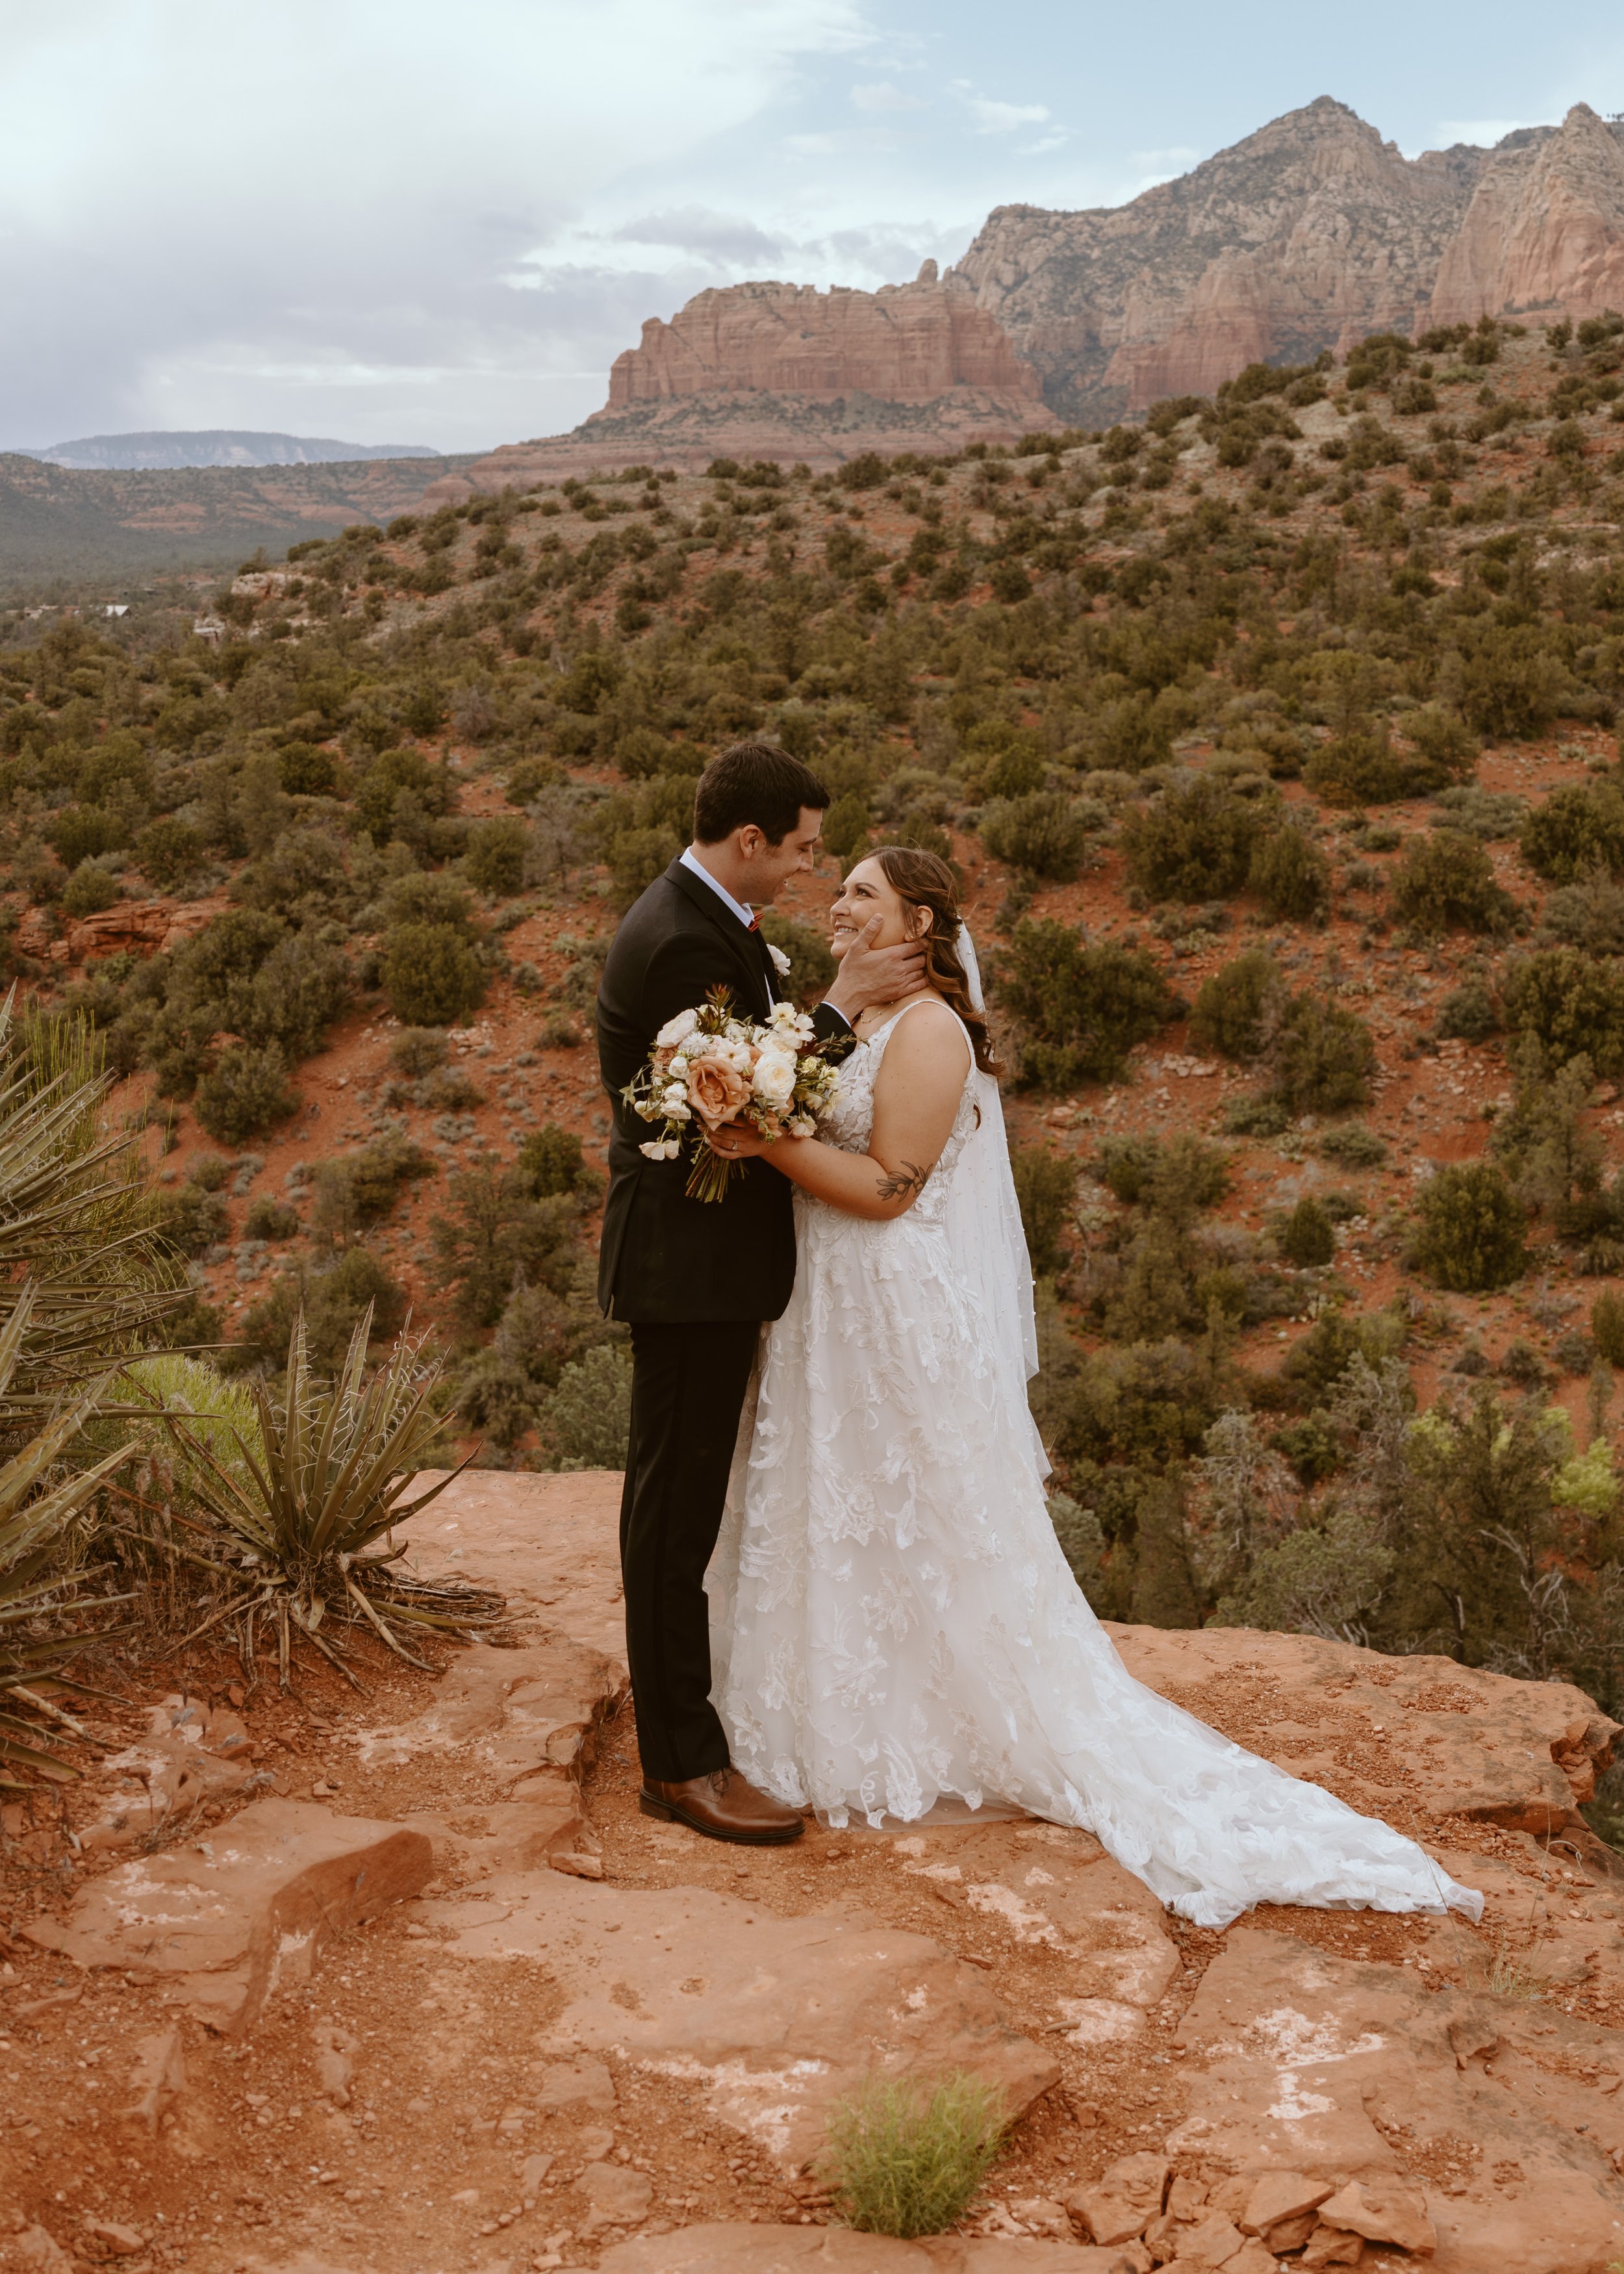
(696, 1279)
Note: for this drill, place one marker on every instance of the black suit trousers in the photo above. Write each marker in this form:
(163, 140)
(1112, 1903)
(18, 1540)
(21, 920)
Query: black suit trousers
(688, 1383)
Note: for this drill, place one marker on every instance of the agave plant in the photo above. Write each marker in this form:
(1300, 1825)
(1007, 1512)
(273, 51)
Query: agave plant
(35, 1509)
(299, 1524)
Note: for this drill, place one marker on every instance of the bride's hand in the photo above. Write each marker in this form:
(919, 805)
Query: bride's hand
(734, 1142)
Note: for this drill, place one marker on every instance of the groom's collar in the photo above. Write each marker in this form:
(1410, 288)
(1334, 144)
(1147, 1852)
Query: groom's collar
(696, 867)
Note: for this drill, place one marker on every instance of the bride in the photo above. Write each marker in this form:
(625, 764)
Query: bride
(893, 1621)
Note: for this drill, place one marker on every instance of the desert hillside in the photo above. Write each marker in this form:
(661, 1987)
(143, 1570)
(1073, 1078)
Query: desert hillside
(1275, 743)
(1276, 740)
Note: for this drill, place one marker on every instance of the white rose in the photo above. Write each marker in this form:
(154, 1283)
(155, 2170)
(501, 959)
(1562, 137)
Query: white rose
(774, 1079)
(677, 1029)
(801, 1124)
(654, 1152)
(780, 962)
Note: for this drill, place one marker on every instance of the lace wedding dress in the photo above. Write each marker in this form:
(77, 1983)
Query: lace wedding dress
(893, 1622)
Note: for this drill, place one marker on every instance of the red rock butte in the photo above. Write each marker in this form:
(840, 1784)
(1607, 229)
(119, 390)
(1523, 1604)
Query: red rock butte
(787, 373)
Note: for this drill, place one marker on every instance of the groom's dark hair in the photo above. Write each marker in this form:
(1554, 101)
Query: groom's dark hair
(754, 782)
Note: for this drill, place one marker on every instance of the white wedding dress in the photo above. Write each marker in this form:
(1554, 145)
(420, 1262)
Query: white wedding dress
(893, 1624)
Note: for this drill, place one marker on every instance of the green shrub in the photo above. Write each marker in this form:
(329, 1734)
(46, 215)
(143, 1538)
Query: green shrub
(1178, 1179)
(1254, 1114)
(1193, 843)
(193, 1217)
(243, 1092)
(812, 966)
(585, 1423)
(88, 890)
(1042, 833)
(1579, 827)
(495, 1235)
(334, 1302)
(166, 852)
(1323, 1056)
(1082, 1008)
(1355, 1147)
(305, 769)
(1314, 1365)
(1444, 740)
(394, 773)
(247, 975)
(1359, 768)
(80, 832)
(1310, 1447)
(1289, 875)
(496, 854)
(1511, 686)
(268, 1218)
(1471, 1229)
(1045, 1184)
(1607, 1327)
(1571, 1001)
(642, 831)
(846, 826)
(905, 2159)
(1308, 1236)
(1237, 1009)
(1015, 769)
(549, 1163)
(431, 974)
(1468, 1011)
(1446, 881)
(416, 1050)
(357, 1189)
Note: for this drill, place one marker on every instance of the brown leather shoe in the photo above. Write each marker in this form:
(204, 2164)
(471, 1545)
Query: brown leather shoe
(724, 1807)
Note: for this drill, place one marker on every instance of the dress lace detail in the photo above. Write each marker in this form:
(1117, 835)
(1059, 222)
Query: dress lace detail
(892, 1618)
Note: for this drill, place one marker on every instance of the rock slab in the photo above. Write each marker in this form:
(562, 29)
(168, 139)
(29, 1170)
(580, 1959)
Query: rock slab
(226, 1921)
(722, 2248)
(1313, 2067)
(770, 2018)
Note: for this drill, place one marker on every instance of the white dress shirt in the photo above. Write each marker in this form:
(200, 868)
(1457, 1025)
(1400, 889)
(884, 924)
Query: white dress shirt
(746, 916)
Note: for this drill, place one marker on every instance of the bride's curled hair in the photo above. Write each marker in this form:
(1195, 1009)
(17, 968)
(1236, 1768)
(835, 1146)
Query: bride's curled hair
(925, 882)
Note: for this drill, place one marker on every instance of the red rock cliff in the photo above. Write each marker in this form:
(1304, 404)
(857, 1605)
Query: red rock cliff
(905, 343)
(1545, 230)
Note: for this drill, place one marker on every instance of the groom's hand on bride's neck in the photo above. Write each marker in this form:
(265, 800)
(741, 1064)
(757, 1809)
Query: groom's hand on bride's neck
(870, 975)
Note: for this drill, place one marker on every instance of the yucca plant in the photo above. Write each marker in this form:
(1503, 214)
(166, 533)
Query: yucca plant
(35, 1509)
(298, 1524)
(76, 1219)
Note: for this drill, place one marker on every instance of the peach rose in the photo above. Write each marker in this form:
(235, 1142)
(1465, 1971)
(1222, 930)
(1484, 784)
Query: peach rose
(716, 1089)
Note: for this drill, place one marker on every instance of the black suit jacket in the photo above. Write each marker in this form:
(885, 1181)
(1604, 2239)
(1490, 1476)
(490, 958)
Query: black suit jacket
(667, 1258)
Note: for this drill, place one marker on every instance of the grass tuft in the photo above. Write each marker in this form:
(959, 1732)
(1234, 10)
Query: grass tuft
(905, 2159)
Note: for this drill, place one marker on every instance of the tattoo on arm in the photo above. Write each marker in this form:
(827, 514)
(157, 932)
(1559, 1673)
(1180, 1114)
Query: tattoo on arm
(894, 1187)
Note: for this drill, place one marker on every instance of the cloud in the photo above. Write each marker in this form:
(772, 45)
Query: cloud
(1004, 117)
(314, 232)
(696, 229)
(884, 96)
(1482, 132)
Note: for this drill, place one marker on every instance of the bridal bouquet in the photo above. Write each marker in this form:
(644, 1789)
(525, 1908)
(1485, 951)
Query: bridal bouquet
(707, 1069)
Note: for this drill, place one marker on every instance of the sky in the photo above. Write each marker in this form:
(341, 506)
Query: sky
(390, 222)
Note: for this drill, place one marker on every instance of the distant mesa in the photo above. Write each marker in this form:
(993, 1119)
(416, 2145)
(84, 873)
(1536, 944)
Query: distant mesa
(788, 372)
(1309, 234)
(163, 452)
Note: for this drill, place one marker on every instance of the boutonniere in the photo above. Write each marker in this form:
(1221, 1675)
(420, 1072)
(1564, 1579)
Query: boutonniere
(780, 962)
